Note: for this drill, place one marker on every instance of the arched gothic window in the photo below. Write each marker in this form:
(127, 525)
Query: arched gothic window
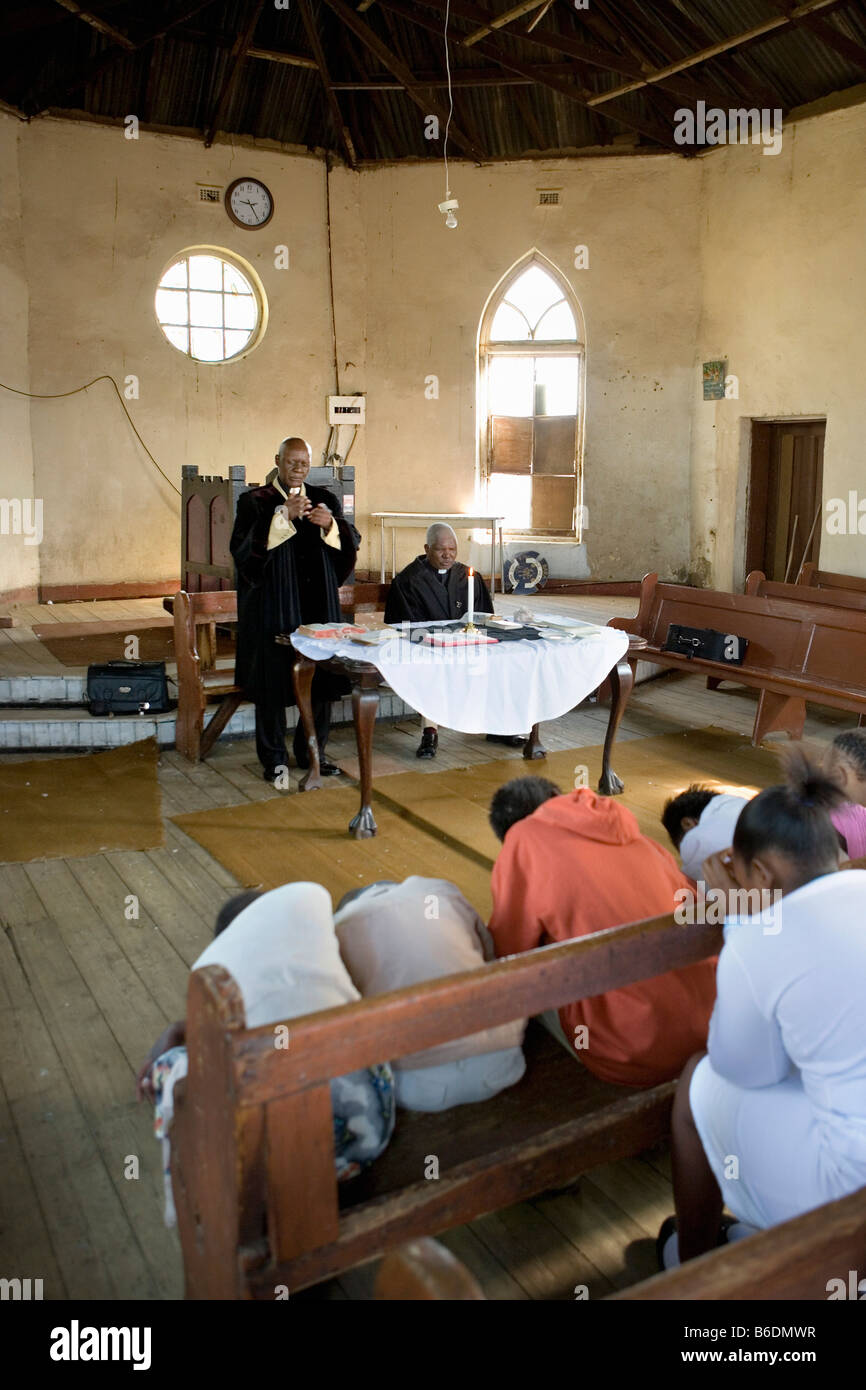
(531, 373)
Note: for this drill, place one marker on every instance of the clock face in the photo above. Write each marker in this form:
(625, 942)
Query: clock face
(249, 203)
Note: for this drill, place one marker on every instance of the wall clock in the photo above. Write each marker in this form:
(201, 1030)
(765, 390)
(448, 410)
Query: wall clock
(249, 203)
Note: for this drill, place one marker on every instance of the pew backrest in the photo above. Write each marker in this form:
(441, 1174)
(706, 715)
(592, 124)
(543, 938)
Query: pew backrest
(811, 576)
(759, 586)
(252, 1144)
(823, 646)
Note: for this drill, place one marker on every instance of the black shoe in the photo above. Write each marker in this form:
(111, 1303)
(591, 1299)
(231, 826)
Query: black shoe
(326, 768)
(271, 774)
(512, 740)
(669, 1225)
(428, 745)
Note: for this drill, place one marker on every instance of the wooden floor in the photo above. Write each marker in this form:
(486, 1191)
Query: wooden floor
(84, 991)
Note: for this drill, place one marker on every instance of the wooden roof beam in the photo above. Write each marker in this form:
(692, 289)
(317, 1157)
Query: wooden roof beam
(235, 63)
(757, 31)
(333, 104)
(428, 104)
(516, 12)
(487, 48)
(100, 25)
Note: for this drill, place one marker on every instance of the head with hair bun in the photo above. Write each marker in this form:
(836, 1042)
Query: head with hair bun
(784, 836)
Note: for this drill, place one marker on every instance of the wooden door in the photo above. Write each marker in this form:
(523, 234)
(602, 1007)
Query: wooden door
(785, 496)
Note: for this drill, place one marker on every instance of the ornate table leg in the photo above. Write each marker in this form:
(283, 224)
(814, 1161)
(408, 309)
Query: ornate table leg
(621, 679)
(532, 748)
(365, 703)
(302, 679)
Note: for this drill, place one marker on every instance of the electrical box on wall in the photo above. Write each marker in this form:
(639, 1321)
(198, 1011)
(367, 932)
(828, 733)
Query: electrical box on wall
(346, 410)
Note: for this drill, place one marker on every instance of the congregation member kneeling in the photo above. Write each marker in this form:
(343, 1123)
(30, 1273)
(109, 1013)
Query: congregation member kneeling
(575, 864)
(770, 1121)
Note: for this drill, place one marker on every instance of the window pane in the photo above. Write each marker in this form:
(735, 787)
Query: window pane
(178, 336)
(205, 273)
(207, 344)
(508, 325)
(171, 306)
(236, 341)
(175, 276)
(205, 310)
(533, 292)
(558, 322)
(240, 311)
(510, 496)
(235, 283)
(556, 385)
(510, 386)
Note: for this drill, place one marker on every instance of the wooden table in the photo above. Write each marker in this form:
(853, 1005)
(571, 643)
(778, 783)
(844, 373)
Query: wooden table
(366, 682)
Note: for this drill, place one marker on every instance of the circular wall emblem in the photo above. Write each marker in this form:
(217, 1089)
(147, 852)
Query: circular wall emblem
(526, 572)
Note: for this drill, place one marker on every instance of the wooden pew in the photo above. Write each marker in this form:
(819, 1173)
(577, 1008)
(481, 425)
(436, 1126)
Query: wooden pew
(794, 1261)
(760, 586)
(798, 651)
(257, 1199)
(198, 679)
(826, 580)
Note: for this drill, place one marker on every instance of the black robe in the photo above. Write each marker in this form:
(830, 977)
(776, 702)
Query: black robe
(296, 582)
(417, 594)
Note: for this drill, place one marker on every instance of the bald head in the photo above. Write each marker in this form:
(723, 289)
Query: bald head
(441, 547)
(293, 461)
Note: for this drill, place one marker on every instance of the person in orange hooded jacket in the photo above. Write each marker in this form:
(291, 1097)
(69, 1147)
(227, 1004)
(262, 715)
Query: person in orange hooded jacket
(575, 864)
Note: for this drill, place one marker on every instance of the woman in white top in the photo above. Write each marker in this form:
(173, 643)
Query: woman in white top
(771, 1121)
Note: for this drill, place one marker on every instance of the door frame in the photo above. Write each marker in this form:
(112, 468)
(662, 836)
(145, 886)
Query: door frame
(758, 458)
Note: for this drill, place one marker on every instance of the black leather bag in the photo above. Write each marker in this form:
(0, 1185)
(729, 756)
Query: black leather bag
(127, 687)
(706, 643)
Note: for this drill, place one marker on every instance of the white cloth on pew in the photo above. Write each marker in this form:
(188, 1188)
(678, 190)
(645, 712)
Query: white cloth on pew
(504, 688)
(397, 934)
(783, 1088)
(282, 951)
(713, 832)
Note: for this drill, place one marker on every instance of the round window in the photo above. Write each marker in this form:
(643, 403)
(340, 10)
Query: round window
(210, 306)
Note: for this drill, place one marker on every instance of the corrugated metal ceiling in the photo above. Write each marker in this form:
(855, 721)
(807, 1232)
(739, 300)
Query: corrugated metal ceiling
(54, 60)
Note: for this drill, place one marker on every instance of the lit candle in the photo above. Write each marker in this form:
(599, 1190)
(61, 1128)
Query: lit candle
(470, 607)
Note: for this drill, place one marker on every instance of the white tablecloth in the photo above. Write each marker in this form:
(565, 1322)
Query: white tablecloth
(501, 689)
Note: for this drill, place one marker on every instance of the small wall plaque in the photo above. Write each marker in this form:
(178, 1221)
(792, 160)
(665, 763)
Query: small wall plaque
(714, 381)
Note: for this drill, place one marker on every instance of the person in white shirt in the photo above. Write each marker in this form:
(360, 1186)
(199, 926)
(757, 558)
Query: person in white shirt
(397, 934)
(772, 1119)
(699, 822)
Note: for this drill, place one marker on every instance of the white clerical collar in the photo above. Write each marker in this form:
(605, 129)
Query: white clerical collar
(301, 491)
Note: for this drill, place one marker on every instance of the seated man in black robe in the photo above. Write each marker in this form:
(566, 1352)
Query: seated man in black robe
(436, 586)
(293, 549)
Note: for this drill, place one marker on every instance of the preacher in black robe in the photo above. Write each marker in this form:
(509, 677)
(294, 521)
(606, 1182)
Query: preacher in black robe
(424, 592)
(293, 549)
(433, 587)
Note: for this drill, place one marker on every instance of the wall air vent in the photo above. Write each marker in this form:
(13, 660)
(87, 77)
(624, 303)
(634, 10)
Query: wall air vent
(548, 197)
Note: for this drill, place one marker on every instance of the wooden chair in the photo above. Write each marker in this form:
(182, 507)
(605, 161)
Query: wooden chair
(798, 650)
(255, 1189)
(198, 679)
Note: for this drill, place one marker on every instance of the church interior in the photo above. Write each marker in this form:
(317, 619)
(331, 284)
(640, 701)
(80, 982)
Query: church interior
(431, 449)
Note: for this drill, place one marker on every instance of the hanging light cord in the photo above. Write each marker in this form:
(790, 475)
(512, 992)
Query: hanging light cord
(450, 100)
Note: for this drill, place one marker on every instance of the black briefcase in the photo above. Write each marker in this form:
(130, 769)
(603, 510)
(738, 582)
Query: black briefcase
(127, 687)
(706, 643)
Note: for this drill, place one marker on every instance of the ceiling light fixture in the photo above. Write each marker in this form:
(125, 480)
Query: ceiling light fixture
(450, 205)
